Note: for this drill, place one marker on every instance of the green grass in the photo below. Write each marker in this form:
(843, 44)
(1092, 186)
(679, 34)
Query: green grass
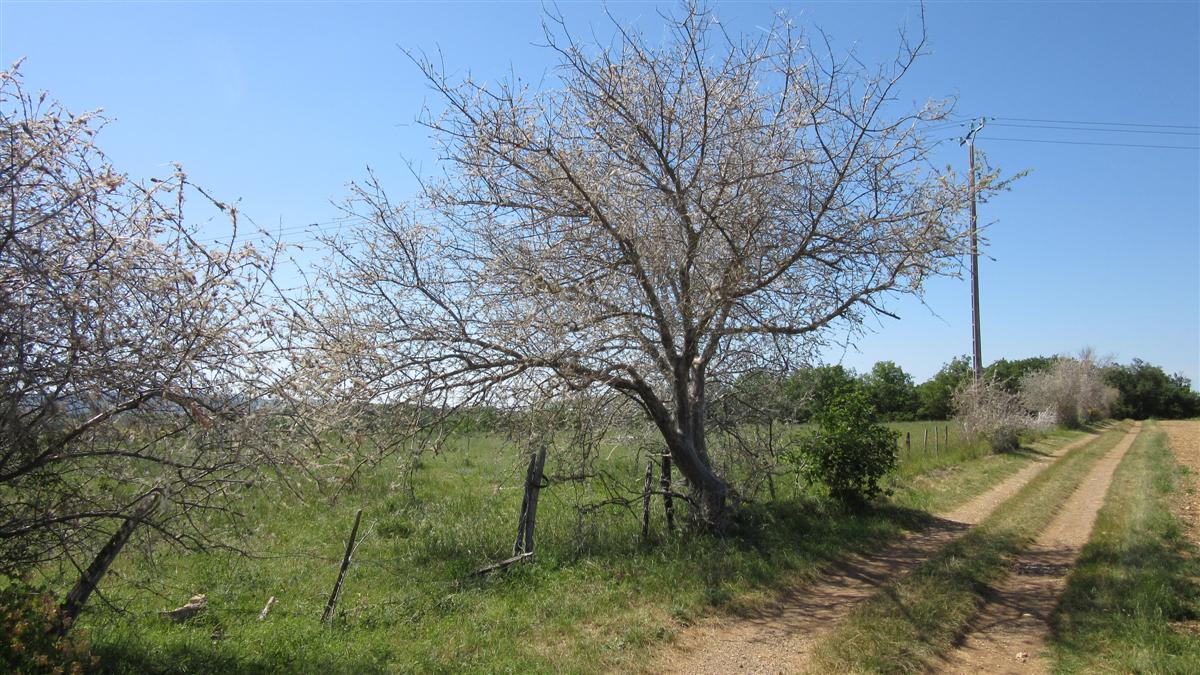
(909, 621)
(596, 597)
(1136, 576)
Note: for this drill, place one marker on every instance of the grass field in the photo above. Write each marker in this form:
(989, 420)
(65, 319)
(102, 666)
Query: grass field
(596, 598)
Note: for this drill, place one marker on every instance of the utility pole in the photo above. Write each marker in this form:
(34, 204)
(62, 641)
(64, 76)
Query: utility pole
(977, 351)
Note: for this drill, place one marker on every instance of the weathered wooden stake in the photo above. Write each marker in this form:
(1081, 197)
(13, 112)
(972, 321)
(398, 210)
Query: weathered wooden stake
(936, 437)
(529, 503)
(90, 579)
(925, 448)
(646, 499)
(337, 587)
(668, 502)
(908, 441)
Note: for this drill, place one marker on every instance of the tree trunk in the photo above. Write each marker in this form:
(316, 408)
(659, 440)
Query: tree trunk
(683, 432)
(709, 492)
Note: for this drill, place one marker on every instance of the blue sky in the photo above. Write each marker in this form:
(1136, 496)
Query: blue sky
(281, 104)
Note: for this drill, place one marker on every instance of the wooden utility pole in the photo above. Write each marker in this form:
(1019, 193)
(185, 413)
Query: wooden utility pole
(977, 365)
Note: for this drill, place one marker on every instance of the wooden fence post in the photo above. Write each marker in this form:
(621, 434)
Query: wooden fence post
(665, 483)
(646, 500)
(908, 441)
(925, 448)
(337, 587)
(529, 503)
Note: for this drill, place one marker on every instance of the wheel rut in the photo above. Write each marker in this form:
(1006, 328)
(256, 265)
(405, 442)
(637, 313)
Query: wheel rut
(779, 638)
(1009, 632)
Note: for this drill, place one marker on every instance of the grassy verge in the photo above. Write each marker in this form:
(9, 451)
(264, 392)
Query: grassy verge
(966, 470)
(1136, 576)
(905, 623)
(596, 598)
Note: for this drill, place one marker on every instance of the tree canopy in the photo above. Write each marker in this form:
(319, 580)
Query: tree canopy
(662, 215)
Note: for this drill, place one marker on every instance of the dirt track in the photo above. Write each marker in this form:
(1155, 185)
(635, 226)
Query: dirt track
(779, 638)
(1009, 632)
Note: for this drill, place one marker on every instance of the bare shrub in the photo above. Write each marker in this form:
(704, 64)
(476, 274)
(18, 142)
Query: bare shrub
(125, 373)
(986, 410)
(1073, 390)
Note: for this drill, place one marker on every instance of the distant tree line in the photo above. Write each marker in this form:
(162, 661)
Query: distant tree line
(1144, 390)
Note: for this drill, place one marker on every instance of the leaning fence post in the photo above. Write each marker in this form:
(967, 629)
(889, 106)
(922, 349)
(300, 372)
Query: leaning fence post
(90, 579)
(337, 587)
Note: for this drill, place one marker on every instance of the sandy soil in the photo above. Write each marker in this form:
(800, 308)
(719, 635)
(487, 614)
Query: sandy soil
(1184, 439)
(780, 637)
(1009, 632)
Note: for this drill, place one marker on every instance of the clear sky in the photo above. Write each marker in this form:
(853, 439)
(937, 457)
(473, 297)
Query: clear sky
(283, 103)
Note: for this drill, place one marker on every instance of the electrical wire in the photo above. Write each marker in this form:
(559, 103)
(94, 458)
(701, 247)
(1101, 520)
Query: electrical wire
(1118, 145)
(1111, 124)
(1110, 131)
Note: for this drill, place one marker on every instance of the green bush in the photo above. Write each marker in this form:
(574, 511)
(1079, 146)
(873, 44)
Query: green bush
(850, 452)
(29, 641)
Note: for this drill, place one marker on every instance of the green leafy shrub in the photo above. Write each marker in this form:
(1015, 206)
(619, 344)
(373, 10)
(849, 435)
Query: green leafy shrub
(29, 641)
(850, 452)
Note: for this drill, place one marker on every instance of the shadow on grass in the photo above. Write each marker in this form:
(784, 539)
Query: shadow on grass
(126, 659)
(1122, 602)
(1028, 452)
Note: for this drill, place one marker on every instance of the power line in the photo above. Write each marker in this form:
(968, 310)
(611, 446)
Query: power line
(1110, 124)
(1109, 131)
(1118, 145)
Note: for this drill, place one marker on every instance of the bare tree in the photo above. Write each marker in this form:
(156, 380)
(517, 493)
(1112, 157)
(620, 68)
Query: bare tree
(989, 411)
(657, 218)
(126, 391)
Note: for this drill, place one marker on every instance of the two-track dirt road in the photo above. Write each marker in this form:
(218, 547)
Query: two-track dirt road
(779, 638)
(1009, 633)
